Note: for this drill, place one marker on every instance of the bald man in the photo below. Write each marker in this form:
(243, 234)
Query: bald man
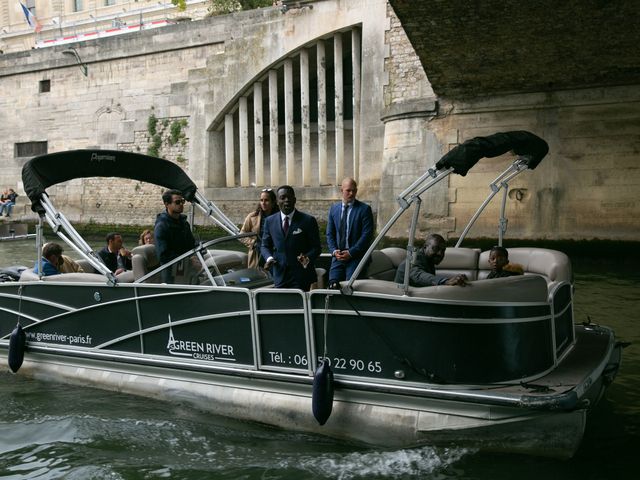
(349, 233)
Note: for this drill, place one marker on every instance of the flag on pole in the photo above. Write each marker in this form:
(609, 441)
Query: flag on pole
(31, 18)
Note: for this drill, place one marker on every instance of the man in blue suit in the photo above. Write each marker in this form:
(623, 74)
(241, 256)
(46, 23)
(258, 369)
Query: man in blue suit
(349, 233)
(290, 243)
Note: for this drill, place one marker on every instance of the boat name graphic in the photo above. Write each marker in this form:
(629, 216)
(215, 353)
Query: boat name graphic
(198, 350)
(95, 157)
(201, 350)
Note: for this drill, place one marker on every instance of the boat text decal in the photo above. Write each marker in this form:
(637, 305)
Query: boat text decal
(96, 157)
(199, 350)
(84, 340)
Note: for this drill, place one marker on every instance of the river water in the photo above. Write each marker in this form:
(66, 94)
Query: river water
(55, 431)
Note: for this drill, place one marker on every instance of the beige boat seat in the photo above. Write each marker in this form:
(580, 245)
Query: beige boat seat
(143, 261)
(384, 263)
(553, 265)
(226, 260)
(86, 266)
(525, 288)
(28, 275)
(381, 267)
(458, 261)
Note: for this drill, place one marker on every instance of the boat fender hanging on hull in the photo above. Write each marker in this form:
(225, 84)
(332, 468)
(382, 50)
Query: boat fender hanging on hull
(17, 343)
(322, 398)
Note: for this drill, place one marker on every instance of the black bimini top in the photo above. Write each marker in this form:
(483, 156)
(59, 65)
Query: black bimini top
(531, 148)
(41, 172)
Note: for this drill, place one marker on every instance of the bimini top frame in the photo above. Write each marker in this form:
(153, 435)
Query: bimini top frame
(530, 150)
(43, 171)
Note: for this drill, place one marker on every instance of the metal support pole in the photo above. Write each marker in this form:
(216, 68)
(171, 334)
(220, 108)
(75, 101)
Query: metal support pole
(39, 246)
(502, 223)
(501, 181)
(410, 247)
(405, 203)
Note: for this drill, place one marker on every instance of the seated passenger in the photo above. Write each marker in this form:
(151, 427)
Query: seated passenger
(51, 258)
(500, 266)
(423, 267)
(114, 255)
(7, 202)
(146, 237)
(69, 265)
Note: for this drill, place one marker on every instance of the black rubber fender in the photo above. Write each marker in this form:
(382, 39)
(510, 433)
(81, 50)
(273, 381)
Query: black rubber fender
(17, 345)
(322, 398)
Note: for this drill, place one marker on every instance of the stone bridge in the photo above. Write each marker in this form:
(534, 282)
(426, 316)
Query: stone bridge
(310, 92)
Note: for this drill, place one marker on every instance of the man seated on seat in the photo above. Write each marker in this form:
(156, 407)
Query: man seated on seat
(423, 268)
(7, 202)
(51, 257)
(500, 266)
(114, 255)
(66, 264)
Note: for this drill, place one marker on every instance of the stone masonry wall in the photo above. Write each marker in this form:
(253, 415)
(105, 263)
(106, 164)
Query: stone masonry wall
(407, 79)
(586, 188)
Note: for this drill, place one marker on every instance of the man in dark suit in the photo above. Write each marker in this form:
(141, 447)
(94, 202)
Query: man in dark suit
(349, 233)
(290, 243)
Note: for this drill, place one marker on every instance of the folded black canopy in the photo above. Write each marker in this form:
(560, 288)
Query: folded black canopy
(41, 172)
(530, 147)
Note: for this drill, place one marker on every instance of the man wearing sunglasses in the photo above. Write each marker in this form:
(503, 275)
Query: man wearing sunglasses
(172, 232)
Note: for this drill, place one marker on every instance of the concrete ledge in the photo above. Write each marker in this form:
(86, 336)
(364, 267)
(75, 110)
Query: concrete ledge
(424, 107)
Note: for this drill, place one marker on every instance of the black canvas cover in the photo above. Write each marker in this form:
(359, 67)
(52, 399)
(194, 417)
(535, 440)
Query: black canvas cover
(525, 144)
(41, 172)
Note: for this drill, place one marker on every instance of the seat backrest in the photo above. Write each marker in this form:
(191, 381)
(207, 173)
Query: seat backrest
(529, 289)
(144, 260)
(458, 261)
(226, 259)
(395, 254)
(86, 266)
(77, 277)
(521, 288)
(29, 275)
(381, 267)
(553, 265)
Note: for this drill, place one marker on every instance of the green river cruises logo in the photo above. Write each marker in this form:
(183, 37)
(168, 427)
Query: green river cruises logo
(199, 350)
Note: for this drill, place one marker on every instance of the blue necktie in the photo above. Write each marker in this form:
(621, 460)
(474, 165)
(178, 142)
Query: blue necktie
(342, 245)
(285, 225)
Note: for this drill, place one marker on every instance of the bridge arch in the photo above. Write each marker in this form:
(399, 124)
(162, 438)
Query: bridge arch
(298, 120)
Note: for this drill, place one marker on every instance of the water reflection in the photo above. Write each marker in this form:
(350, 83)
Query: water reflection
(50, 430)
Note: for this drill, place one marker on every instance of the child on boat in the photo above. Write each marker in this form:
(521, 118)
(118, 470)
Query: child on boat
(500, 266)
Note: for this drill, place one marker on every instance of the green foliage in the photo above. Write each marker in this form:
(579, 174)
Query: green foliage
(152, 124)
(181, 4)
(176, 133)
(221, 7)
(156, 144)
(181, 159)
(252, 4)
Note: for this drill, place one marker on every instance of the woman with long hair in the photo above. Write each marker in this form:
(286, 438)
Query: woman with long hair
(255, 222)
(146, 237)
